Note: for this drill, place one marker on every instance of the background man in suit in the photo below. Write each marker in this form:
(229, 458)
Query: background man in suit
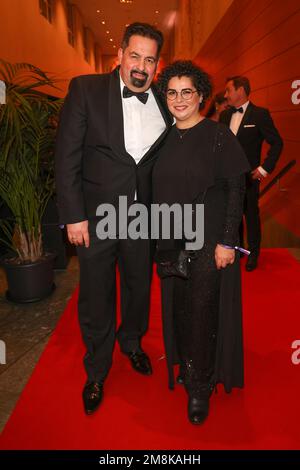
(111, 127)
(252, 125)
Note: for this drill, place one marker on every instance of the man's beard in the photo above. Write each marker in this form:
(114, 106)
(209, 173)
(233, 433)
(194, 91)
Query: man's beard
(138, 82)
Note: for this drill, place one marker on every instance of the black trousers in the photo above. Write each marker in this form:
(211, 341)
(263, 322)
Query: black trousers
(97, 298)
(252, 217)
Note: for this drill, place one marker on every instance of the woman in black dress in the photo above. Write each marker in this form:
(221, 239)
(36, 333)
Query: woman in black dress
(202, 161)
(217, 105)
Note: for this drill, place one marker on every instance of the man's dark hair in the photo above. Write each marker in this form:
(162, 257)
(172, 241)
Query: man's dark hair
(240, 81)
(147, 31)
(186, 68)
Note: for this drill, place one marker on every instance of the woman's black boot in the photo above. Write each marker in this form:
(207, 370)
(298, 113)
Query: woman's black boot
(198, 402)
(198, 409)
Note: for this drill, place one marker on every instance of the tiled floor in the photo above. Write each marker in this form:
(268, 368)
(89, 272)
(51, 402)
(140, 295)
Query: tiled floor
(26, 330)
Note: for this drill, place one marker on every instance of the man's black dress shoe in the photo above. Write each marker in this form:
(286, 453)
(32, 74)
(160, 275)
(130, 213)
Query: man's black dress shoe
(198, 410)
(92, 396)
(140, 362)
(251, 263)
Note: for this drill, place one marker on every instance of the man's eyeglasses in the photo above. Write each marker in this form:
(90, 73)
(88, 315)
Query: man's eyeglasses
(186, 94)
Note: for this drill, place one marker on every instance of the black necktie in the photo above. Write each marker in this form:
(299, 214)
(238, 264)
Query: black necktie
(142, 96)
(237, 110)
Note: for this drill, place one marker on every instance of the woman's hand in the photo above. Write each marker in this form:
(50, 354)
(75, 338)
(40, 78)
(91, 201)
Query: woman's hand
(224, 256)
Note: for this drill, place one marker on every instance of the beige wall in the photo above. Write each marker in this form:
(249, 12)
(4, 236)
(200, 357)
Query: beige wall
(195, 21)
(109, 62)
(26, 36)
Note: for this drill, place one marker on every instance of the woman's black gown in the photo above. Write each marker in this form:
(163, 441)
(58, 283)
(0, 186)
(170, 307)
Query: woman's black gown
(202, 316)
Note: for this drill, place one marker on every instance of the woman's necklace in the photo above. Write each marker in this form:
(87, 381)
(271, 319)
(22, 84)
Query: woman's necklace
(182, 132)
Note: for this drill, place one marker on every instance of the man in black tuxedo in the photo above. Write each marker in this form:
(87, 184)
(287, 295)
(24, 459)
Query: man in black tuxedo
(110, 129)
(252, 125)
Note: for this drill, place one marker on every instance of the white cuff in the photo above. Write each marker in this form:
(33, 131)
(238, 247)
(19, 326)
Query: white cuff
(262, 171)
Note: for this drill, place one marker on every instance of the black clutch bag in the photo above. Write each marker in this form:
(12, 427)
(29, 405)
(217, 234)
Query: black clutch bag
(173, 263)
(177, 262)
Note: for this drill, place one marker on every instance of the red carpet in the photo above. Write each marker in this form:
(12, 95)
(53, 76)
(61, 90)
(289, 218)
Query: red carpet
(141, 413)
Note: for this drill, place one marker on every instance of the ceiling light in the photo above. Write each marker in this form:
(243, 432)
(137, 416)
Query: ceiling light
(103, 22)
(111, 40)
(107, 32)
(156, 11)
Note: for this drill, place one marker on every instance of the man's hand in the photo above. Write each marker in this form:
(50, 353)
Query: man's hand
(78, 234)
(224, 256)
(257, 175)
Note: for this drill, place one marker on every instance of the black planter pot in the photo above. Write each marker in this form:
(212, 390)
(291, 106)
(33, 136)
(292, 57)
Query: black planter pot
(29, 282)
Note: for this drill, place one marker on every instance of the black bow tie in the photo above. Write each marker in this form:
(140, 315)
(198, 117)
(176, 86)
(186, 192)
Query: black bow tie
(142, 96)
(238, 110)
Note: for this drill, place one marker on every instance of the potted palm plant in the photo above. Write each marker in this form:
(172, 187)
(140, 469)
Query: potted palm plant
(27, 134)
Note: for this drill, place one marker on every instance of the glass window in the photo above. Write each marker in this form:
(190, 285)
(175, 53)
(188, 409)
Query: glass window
(71, 24)
(46, 9)
(86, 44)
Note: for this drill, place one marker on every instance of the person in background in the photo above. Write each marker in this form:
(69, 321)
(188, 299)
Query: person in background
(252, 125)
(217, 106)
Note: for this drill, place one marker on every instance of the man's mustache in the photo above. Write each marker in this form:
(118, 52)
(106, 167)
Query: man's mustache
(140, 72)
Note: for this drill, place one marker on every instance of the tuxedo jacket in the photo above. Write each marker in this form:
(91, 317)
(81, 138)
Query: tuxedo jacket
(92, 165)
(256, 127)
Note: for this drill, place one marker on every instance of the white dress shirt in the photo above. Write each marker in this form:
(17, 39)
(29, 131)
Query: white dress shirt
(235, 123)
(143, 124)
(236, 119)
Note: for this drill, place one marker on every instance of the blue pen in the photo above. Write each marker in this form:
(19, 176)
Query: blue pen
(238, 248)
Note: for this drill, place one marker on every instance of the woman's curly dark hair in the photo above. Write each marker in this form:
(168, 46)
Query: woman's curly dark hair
(185, 68)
